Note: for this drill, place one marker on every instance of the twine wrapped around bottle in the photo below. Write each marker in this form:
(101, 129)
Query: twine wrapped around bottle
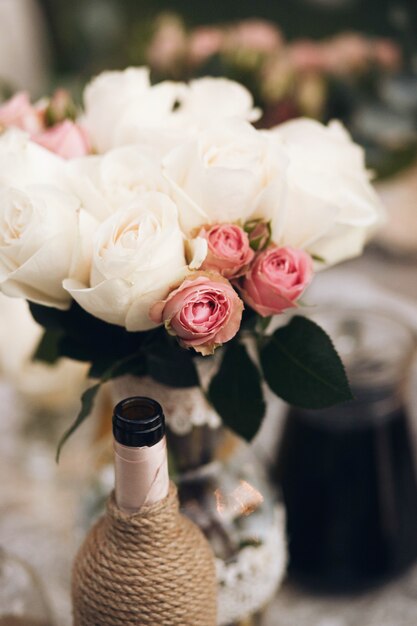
(151, 568)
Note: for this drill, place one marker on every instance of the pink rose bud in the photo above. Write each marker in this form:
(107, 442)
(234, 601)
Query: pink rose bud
(67, 139)
(204, 312)
(229, 252)
(276, 279)
(259, 234)
(60, 107)
(19, 112)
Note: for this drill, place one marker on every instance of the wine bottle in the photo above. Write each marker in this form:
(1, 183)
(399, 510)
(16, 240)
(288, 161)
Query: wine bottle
(141, 465)
(143, 563)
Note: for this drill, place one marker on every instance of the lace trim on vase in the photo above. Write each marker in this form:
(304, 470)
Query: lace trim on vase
(249, 582)
(183, 408)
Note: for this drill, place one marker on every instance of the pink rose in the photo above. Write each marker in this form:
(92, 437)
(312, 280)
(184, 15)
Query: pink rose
(229, 251)
(204, 312)
(19, 112)
(67, 139)
(276, 279)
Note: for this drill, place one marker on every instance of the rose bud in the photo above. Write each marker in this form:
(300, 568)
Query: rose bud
(60, 107)
(276, 280)
(204, 312)
(67, 139)
(259, 234)
(228, 249)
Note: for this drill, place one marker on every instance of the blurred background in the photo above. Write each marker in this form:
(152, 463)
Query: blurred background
(355, 60)
(322, 58)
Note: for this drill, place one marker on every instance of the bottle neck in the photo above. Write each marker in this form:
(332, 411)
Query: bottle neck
(141, 475)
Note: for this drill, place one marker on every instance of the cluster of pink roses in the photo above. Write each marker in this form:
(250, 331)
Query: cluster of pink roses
(206, 311)
(65, 138)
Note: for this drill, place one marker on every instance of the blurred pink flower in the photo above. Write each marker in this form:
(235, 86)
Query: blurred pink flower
(19, 112)
(168, 44)
(203, 43)
(254, 34)
(387, 54)
(346, 53)
(67, 139)
(306, 56)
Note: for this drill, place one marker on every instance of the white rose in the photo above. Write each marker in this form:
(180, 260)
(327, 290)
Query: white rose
(119, 104)
(208, 99)
(138, 255)
(199, 104)
(39, 237)
(330, 204)
(23, 162)
(228, 173)
(104, 183)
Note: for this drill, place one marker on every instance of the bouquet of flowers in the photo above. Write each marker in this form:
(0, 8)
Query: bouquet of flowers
(158, 226)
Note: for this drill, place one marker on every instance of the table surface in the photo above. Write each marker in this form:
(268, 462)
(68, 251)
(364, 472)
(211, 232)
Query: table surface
(40, 513)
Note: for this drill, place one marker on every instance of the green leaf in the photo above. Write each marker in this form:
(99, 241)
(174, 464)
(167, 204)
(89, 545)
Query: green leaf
(263, 323)
(236, 392)
(48, 350)
(170, 364)
(318, 258)
(99, 368)
(87, 401)
(133, 364)
(49, 318)
(107, 369)
(301, 365)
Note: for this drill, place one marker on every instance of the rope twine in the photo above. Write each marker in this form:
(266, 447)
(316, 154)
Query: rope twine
(152, 568)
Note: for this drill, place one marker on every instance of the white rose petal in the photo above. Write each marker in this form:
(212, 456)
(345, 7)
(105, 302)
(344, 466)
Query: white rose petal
(122, 108)
(301, 219)
(38, 236)
(198, 248)
(208, 99)
(106, 97)
(138, 256)
(153, 124)
(105, 183)
(23, 162)
(119, 104)
(330, 205)
(225, 175)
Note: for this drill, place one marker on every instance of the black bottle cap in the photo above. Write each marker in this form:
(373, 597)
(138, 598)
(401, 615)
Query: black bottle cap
(138, 422)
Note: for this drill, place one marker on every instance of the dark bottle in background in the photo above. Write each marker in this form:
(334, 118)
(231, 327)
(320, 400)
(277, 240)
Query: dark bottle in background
(348, 473)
